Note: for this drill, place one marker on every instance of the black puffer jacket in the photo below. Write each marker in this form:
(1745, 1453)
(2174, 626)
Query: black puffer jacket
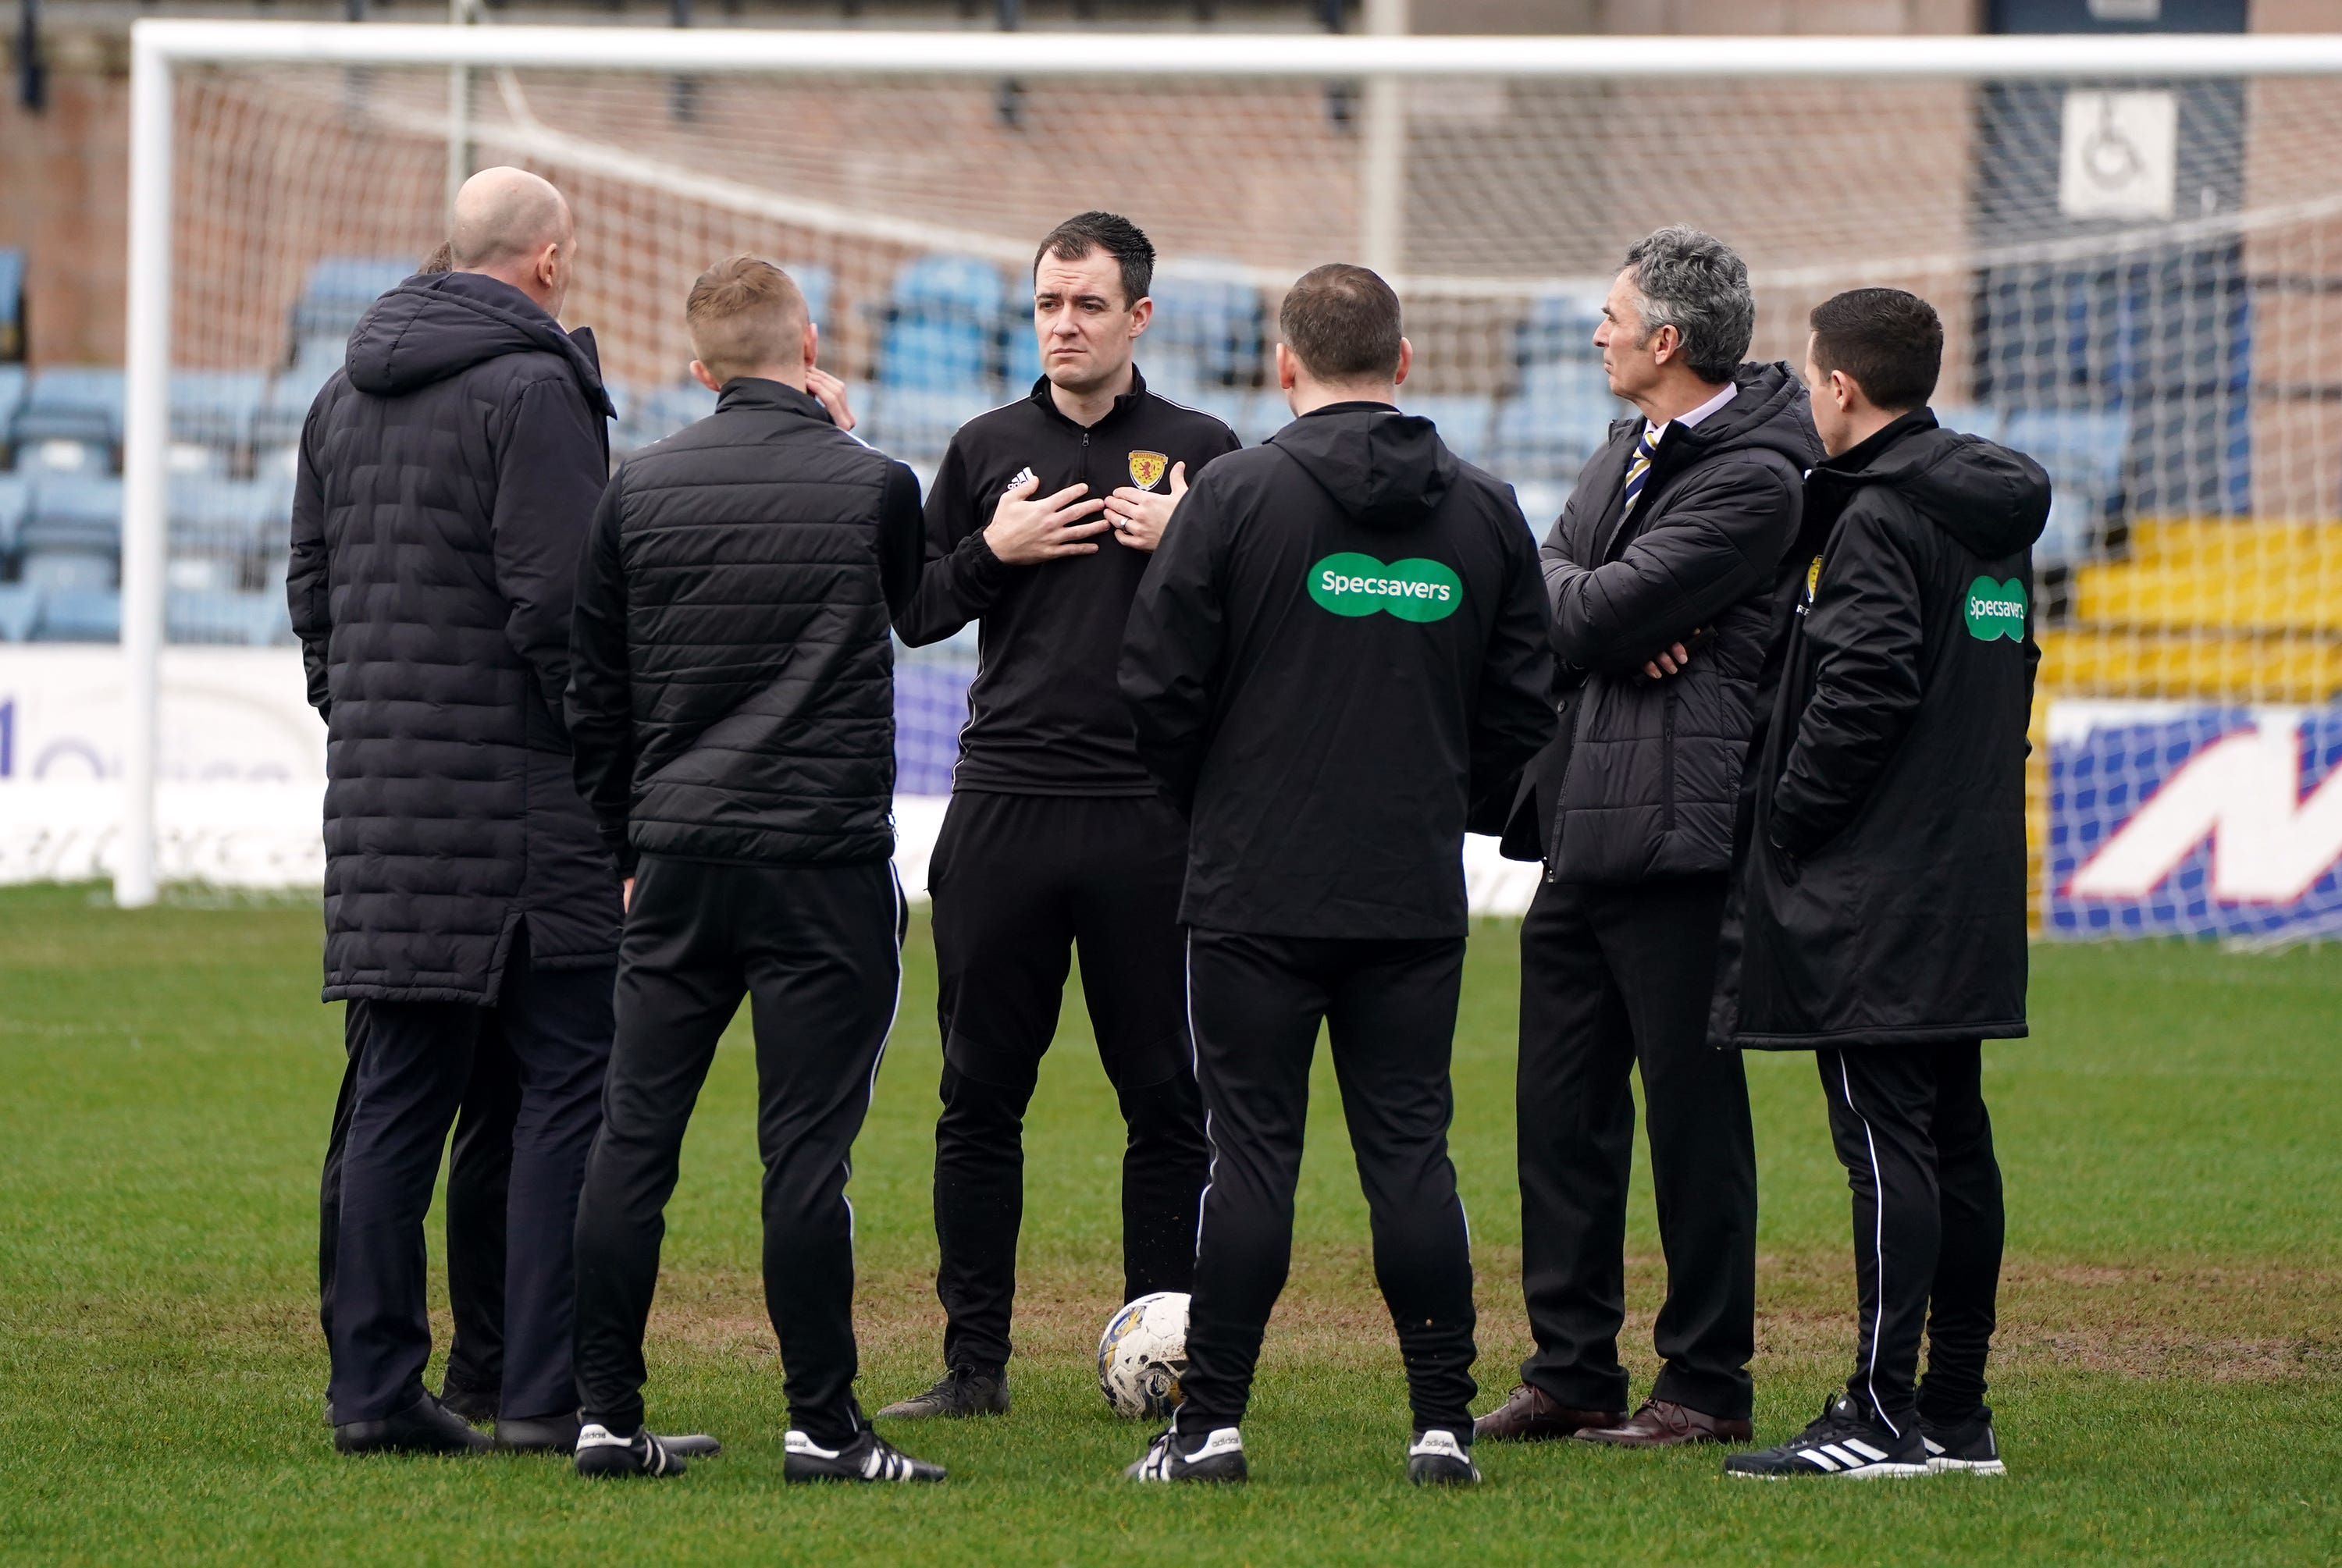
(1644, 778)
(446, 476)
(1338, 645)
(734, 689)
(1884, 896)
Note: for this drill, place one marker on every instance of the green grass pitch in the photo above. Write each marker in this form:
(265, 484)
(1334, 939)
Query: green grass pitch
(2169, 1374)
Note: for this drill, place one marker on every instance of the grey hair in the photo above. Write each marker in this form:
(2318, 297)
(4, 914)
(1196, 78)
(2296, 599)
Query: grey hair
(1694, 283)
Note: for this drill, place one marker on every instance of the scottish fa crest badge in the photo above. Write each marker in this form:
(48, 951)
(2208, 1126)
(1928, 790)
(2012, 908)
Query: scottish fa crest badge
(1146, 468)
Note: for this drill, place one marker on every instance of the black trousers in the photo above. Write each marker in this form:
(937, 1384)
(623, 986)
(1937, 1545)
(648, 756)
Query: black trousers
(1390, 1012)
(1019, 883)
(479, 1179)
(1614, 978)
(1911, 1130)
(817, 951)
(414, 1066)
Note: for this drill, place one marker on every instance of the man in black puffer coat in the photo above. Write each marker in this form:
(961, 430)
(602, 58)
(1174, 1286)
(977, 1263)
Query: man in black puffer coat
(446, 476)
(1884, 890)
(733, 708)
(1659, 575)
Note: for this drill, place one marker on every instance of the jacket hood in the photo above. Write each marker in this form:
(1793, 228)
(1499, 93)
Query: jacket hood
(1385, 469)
(1991, 499)
(430, 328)
(1769, 410)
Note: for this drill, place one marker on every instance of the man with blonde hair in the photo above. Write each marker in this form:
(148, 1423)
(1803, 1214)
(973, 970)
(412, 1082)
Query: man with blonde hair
(732, 713)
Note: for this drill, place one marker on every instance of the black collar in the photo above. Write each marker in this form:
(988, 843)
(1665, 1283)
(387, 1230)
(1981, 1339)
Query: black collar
(757, 392)
(1354, 405)
(1871, 447)
(1122, 404)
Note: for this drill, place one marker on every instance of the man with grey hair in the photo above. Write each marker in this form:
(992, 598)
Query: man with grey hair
(1660, 576)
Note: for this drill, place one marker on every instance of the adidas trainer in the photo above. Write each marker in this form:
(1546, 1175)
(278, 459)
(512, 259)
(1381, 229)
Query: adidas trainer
(1969, 1448)
(869, 1457)
(603, 1452)
(1842, 1442)
(1175, 1455)
(1438, 1458)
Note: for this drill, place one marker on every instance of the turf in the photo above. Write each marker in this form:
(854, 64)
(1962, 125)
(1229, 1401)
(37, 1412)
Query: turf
(2168, 1377)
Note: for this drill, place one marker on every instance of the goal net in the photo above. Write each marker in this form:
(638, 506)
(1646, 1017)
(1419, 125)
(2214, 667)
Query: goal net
(2140, 269)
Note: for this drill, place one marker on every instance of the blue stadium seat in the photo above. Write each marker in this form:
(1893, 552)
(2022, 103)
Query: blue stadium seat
(1021, 358)
(2082, 449)
(79, 615)
(254, 620)
(1969, 418)
(1465, 423)
(12, 397)
(1557, 419)
(917, 422)
(819, 287)
(231, 517)
(216, 408)
(72, 405)
(1558, 329)
(74, 512)
(15, 499)
(944, 321)
(656, 412)
(20, 611)
(11, 307)
(1206, 331)
(285, 407)
(338, 291)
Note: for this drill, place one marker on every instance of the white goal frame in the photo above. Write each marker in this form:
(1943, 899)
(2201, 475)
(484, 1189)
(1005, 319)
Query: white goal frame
(1381, 60)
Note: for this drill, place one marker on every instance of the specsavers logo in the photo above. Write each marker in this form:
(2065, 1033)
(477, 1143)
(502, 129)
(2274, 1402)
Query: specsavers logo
(1414, 590)
(1997, 610)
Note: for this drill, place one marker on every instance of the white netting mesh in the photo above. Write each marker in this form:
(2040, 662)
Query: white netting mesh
(2141, 283)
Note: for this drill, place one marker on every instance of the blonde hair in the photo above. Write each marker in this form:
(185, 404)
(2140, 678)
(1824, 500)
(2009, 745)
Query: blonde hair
(744, 314)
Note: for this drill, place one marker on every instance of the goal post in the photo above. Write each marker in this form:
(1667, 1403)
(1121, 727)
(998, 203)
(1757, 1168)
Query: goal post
(2137, 241)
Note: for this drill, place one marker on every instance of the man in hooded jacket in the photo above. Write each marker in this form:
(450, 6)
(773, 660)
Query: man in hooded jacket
(1883, 887)
(1340, 644)
(1660, 574)
(446, 476)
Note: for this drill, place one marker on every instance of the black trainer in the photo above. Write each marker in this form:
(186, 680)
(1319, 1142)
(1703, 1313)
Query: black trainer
(869, 1457)
(1969, 1448)
(962, 1391)
(1844, 1441)
(558, 1434)
(1438, 1458)
(477, 1406)
(1176, 1455)
(426, 1426)
(603, 1452)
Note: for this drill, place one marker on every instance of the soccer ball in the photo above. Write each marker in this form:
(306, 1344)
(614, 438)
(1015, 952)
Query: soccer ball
(1142, 1355)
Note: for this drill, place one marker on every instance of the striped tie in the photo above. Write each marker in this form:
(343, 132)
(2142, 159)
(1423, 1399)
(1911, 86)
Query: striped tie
(1639, 469)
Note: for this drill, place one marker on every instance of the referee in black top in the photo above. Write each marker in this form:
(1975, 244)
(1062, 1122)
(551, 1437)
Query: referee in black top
(1039, 525)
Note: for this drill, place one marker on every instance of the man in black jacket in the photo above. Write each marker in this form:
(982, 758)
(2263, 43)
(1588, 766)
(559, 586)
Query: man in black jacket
(445, 479)
(733, 712)
(1884, 890)
(1053, 828)
(1659, 572)
(1338, 648)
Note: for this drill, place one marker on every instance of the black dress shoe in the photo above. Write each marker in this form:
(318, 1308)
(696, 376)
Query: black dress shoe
(426, 1426)
(558, 1434)
(474, 1404)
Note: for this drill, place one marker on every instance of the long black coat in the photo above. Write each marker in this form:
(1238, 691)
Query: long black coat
(1643, 778)
(448, 474)
(1883, 897)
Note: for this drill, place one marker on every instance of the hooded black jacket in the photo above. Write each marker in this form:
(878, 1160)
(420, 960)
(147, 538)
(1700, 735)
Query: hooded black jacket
(733, 696)
(1644, 778)
(1884, 895)
(446, 475)
(1340, 644)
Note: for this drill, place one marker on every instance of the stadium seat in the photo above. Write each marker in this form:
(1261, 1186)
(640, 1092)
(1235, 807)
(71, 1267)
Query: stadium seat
(20, 611)
(338, 291)
(216, 408)
(70, 406)
(1557, 419)
(1205, 332)
(12, 308)
(15, 499)
(944, 320)
(1969, 418)
(1465, 422)
(230, 518)
(653, 413)
(819, 287)
(12, 397)
(917, 422)
(2083, 451)
(254, 620)
(1021, 357)
(74, 510)
(285, 408)
(79, 615)
(1558, 330)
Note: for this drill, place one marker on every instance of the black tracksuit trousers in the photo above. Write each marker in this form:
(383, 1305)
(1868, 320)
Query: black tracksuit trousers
(1390, 1011)
(1019, 883)
(416, 1063)
(1613, 978)
(817, 951)
(1911, 1130)
(479, 1181)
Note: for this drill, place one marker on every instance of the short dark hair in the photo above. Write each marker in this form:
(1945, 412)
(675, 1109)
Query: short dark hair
(1112, 233)
(1889, 343)
(1342, 322)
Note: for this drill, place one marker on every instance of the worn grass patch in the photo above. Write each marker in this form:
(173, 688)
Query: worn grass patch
(2168, 1372)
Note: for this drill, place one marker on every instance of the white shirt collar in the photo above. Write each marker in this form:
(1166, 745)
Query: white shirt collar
(1695, 415)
